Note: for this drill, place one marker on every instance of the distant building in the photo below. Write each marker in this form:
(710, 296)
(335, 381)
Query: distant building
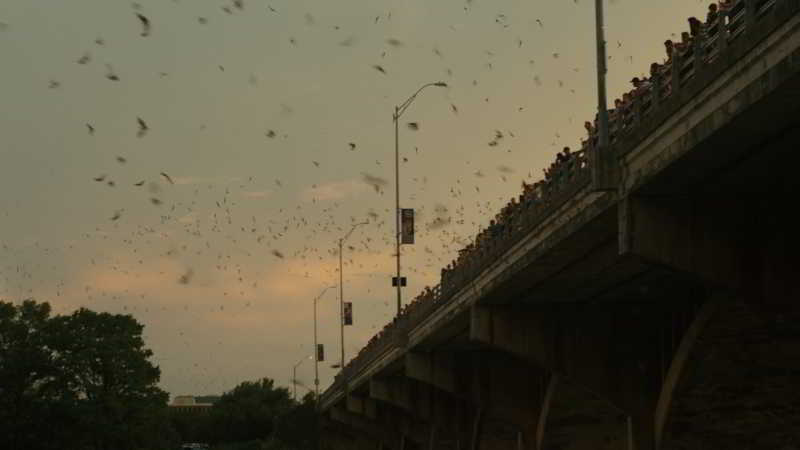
(189, 404)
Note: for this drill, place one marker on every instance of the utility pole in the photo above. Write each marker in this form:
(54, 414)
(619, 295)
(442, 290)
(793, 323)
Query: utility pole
(294, 377)
(316, 345)
(397, 200)
(398, 111)
(341, 288)
(341, 304)
(602, 107)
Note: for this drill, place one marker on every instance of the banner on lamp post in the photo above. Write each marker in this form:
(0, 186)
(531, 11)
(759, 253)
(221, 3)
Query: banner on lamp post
(406, 226)
(348, 313)
(320, 352)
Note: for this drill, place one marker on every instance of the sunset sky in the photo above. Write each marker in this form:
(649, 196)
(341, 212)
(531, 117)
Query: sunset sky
(250, 112)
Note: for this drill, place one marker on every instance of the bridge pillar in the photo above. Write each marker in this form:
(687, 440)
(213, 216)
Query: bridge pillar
(407, 405)
(495, 403)
(734, 381)
(609, 356)
(452, 416)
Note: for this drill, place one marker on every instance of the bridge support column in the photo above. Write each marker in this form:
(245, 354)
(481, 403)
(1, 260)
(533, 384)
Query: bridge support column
(641, 431)
(502, 398)
(406, 405)
(606, 355)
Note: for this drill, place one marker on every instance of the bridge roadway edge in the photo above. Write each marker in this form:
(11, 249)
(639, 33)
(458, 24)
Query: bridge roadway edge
(642, 162)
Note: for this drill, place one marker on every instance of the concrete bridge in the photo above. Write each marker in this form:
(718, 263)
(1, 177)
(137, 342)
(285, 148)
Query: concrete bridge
(649, 300)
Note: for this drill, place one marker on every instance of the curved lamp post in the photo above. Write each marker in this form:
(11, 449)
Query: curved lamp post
(341, 288)
(398, 111)
(316, 351)
(294, 377)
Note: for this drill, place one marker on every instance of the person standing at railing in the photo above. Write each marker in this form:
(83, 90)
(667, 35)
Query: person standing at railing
(712, 13)
(493, 229)
(725, 5)
(480, 242)
(627, 103)
(685, 43)
(538, 192)
(527, 193)
(590, 129)
(641, 87)
(695, 27)
(655, 71)
(530, 195)
(614, 119)
(669, 46)
(511, 215)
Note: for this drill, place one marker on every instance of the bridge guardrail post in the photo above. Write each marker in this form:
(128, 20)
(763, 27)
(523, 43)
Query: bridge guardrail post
(699, 50)
(637, 109)
(655, 90)
(677, 64)
(604, 168)
(722, 32)
(749, 13)
(400, 333)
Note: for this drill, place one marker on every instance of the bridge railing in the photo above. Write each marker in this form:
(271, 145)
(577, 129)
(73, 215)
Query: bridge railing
(687, 60)
(520, 220)
(564, 179)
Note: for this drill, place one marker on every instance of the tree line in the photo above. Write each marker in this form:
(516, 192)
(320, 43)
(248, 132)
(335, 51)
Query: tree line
(85, 381)
(255, 415)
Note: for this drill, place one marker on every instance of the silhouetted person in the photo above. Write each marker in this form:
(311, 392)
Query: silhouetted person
(695, 26)
(669, 46)
(712, 13)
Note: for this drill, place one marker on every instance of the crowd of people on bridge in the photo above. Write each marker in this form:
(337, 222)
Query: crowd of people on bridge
(533, 197)
(473, 258)
(724, 13)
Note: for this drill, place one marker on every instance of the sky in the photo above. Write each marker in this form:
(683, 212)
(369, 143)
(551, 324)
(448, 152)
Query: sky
(266, 134)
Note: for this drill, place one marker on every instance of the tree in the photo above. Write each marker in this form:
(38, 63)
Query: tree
(81, 381)
(26, 369)
(298, 427)
(250, 411)
(254, 415)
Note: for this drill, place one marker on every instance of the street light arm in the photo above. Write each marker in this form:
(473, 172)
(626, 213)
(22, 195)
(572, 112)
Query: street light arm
(366, 222)
(323, 292)
(302, 360)
(403, 106)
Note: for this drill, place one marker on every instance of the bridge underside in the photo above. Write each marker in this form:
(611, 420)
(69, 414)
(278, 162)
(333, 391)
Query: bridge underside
(662, 315)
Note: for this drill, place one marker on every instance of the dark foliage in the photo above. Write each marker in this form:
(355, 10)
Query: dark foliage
(255, 414)
(82, 381)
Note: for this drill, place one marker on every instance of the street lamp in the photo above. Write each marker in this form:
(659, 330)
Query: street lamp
(294, 376)
(398, 111)
(316, 349)
(341, 288)
(602, 109)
